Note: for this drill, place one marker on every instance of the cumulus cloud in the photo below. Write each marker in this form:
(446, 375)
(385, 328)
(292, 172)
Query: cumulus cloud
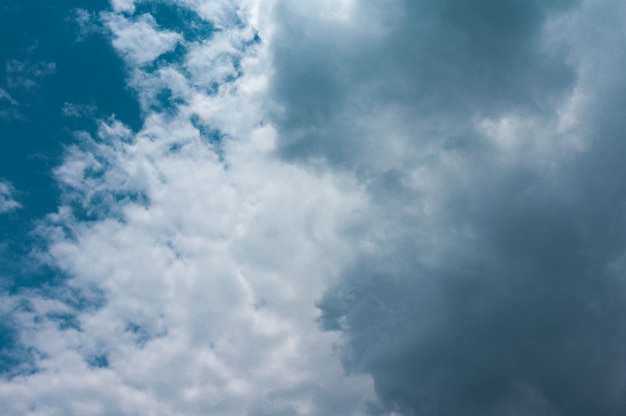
(138, 39)
(123, 5)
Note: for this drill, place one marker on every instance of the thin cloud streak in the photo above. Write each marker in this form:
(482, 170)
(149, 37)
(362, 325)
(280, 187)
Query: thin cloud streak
(8, 202)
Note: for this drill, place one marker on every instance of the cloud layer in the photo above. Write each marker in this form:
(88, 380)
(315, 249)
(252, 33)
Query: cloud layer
(487, 136)
(433, 190)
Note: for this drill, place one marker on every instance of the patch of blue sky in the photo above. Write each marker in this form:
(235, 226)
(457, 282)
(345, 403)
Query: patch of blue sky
(179, 19)
(85, 299)
(64, 320)
(193, 29)
(55, 80)
(165, 101)
(98, 361)
(9, 356)
(140, 334)
(214, 136)
(17, 359)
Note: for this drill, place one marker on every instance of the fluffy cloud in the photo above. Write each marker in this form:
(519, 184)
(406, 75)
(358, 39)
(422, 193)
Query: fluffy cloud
(192, 257)
(139, 40)
(123, 5)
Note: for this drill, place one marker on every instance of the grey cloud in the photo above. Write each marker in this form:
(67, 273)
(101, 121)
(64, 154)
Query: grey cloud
(473, 59)
(536, 304)
(495, 285)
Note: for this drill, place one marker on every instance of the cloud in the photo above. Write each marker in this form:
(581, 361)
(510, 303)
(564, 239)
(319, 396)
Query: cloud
(382, 69)
(139, 40)
(433, 190)
(7, 198)
(205, 276)
(123, 6)
(88, 24)
(8, 106)
(191, 257)
(488, 139)
(78, 110)
(6, 96)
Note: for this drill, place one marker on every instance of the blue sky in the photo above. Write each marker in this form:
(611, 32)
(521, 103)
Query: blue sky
(49, 65)
(347, 207)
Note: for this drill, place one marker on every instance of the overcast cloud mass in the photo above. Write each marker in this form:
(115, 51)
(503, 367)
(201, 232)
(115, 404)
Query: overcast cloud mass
(347, 207)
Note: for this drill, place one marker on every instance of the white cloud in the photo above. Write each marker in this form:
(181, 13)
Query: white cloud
(212, 285)
(139, 40)
(120, 6)
(206, 257)
(88, 24)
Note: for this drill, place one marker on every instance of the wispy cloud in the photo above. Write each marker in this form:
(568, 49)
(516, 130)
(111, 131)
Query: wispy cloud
(7, 198)
(88, 24)
(7, 97)
(9, 107)
(26, 75)
(78, 110)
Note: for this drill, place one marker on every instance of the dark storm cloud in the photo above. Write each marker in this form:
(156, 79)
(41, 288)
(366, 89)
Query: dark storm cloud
(498, 290)
(469, 58)
(534, 306)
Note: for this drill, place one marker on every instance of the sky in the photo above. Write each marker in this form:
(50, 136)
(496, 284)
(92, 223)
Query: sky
(332, 207)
